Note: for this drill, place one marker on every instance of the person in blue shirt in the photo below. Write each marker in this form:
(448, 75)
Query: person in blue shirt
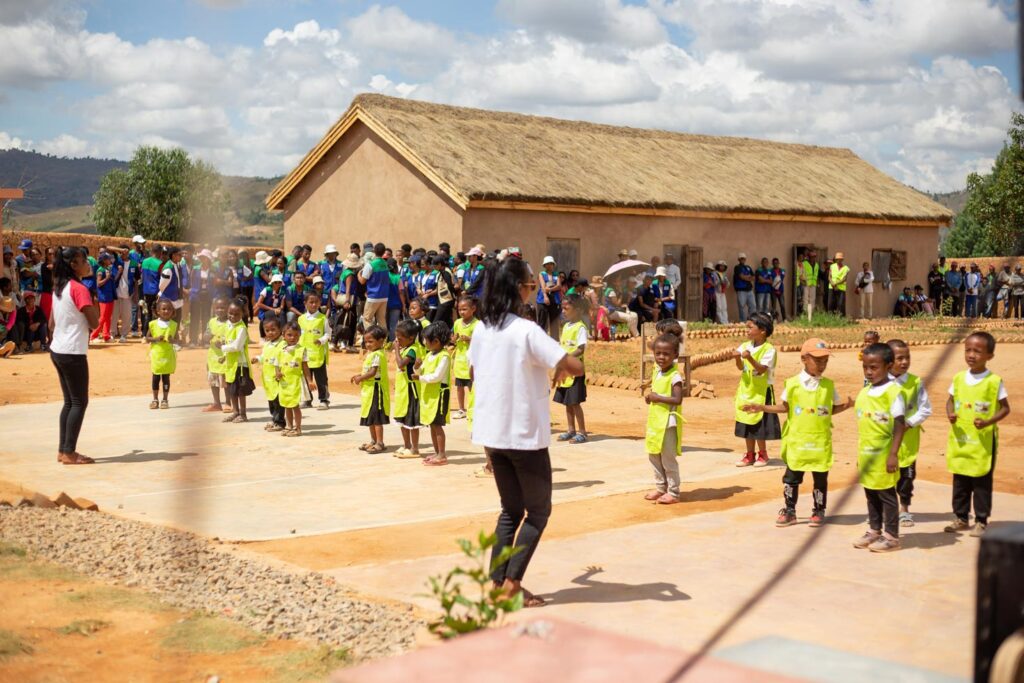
(549, 298)
(743, 284)
(246, 280)
(304, 265)
(200, 297)
(778, 290)
(106, 276)
(395, 307)
(330, 268)
(473, 275)
(763, 287)
(296, 294)
(428, 287)
(955, 288)
(273, 301)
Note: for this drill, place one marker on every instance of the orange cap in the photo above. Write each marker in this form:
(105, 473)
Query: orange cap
(815, 347)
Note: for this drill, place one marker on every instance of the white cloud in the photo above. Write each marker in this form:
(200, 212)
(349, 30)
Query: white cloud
(391, 30)
(65, 145)
(8, 141)
(591, 21)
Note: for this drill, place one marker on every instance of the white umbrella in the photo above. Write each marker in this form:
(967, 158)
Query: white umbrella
(627, 268)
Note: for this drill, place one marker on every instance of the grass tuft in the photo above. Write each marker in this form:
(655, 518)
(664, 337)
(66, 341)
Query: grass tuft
(11, 550)
(110, 598)
(308, 665)
(201, 633)
(84, 627)
(11, 645)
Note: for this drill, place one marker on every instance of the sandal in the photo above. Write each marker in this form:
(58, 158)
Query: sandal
(230, 418)
(531, 600)
(293, 432)
(164, 405)
(275, 428)
(153, 405)
(240, 419)
(375, 448)
(366, 446)
(579, 437)
(434, 461)
(407, 455)
(565, 436)
(906, 519)
(227, 409)
(74, 459)
(483, 473)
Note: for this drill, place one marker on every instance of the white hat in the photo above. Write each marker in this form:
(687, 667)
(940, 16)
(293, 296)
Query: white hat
(632, 252)
(547, 260)
(205, 253)
(741, 255)
(317, 279)
(330, 249)
(475, 251)
(709, 265)
(660, 272)
(721, 262)
(139, 239)
(276, 277)
(262, 257)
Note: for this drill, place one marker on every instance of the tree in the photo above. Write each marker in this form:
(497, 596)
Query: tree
(164, 195)
(992, 222)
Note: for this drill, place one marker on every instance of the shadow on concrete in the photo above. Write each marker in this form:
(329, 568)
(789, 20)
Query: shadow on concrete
(590, 591)
(698, 495)
(696, 449)
(145, 456)
(861, 519)
(331, 433)
(606, 437)
(563, 485)
(926, 541)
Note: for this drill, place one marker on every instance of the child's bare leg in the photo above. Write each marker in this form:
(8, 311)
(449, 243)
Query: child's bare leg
(241, 406)
(437, 436)
(461, 393)
(298, 418)
(414, 437)
(750, 445)
(289, 418)
(377, 434)
(761, 446)
(580, 422)
(570, 419)
(216, 397)
(406, 441)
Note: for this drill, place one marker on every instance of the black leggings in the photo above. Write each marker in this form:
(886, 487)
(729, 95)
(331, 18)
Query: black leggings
(524, 486)
(166, 382)
(73, 372)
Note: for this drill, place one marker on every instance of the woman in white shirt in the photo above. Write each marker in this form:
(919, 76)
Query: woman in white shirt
(73, 316)
(865, 288)
(510, 358)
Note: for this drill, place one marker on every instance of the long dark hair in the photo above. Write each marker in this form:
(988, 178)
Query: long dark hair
(63, 273)
(501, 290)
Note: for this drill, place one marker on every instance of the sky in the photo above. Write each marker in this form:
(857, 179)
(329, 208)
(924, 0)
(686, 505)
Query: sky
(922, 89)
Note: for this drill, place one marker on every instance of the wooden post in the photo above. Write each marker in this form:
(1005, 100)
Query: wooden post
(7, 194)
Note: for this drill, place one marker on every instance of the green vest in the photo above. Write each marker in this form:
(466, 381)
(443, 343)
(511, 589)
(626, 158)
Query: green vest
(568, 342)
(430, 393)
(232, 359)
(268, 367)
(811, 273)
(289, 359)
(807, 434)
(367, 387)
(969, 450)
(875, 425)
(162, 358)
(406, 389)
(837, 277)
(461, 357)
(911, 444)
(659, 413)
(753, 388)
(217, 331)
(313, 329)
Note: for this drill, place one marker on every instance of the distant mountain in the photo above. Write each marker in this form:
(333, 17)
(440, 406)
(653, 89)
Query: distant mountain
(52, 182)
(954, 201)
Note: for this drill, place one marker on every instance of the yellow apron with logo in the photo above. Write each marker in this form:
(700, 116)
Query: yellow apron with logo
(807, 434)
(658, 414)
(969, 450)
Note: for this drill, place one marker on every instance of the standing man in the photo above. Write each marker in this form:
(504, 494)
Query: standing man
(743, 283)
(837, 275)
(778, 290)
(865, 289)
(675, 278)
(549, 298)
(151, 284)
(809, 281)
(134, 266)
(721, 284)
(954, 284)
(377, 279)
(972, 288)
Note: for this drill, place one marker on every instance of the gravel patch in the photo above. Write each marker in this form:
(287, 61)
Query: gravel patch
(190, 572)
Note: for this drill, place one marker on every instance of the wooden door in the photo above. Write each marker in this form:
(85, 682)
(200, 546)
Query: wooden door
(566, 253)
(693, 284)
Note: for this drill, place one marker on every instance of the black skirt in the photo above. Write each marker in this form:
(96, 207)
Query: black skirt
(441, 419)
(459, 382)
(574, 394)
(376, 416)
(768, 428)
(243, 384)
(411, 419)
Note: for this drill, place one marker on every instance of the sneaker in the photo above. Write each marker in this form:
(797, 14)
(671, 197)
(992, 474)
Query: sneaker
(324, 405)
(906, 519)
(746, 461)
(566, 436)
(307, 404)
(761, 461)
(817, 519)
(867, 539)
(885, 545)
(122, 340)
(979, 529)
(459, 415)
(957, 526)
(785, 518)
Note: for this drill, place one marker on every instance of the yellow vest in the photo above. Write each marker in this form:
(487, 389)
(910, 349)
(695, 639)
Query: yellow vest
(268, 367)
(461, 356)
(807, 434)
(312, 329)
(431, 392)
(232, 359)
(367, 387)
(837, 277)
(912, 436)
(753, 388)
(216, 329)
(406, 389)
(162, 358)
(969, 450)
(567, 339)
(289, 359)
(875, 425)
(658, 413)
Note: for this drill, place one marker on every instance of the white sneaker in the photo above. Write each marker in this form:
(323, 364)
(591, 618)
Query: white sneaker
(122, 340)
(459, 415)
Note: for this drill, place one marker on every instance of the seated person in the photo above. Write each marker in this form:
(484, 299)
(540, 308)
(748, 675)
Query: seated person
(31, 324)
(645, 302)
(924, 304)
(906, 306)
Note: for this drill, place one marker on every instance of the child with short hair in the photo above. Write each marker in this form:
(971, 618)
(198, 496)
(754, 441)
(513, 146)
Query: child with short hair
(880, 425)
(809, 400)
(374, 388)
(433, 373)
(163, 359)
(664, 434)
(236, 364)
(669, 326)
(292, 369)
(977, 402)
(418, 312)
(755, 359)
(572, 392)
(216, 331)
(918, 409)
(462, 333)
(315, 337)
(269, 362)
(405, 407)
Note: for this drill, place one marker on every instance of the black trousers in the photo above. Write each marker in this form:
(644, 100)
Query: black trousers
(320, 377)
(838, 301)
(276, 413)
(150, 313)
(548, 317)
(979, 489)
(905, 486)
(791, 481)
(73, 372)
(779, 304)
(524, 486)
(445, 313)
(165, 379)
(883, 511)
(344, 330)
(198, 316)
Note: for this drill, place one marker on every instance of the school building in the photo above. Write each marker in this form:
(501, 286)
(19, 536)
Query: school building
(397, 170)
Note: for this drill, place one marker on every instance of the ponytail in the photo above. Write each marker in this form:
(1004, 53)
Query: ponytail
(501, 290)
(62, 270)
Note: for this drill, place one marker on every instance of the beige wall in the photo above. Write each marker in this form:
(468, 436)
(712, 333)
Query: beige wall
(361, 190)
(601, 236)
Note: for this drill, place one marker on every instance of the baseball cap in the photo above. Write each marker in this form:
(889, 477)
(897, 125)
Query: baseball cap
(547, 260)
(632, 252)
(815, 347)
(25, 244)
(139, 239)
(840, 255)
(28, 294)
(205, 253)
(475, 251)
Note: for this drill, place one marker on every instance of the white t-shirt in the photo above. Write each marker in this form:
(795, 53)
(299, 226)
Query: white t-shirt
(441, 374)
(971, 379)
(767, 359)
(510, 373)
(811, 383)
(70, 326)
(676, 379)
(865, 280)
(924, 405)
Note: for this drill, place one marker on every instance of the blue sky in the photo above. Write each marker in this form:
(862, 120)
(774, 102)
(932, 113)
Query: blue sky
(921, 88)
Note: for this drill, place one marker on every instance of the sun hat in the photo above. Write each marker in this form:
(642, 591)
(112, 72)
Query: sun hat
(352, 261)
(317, 280)
(623, 252)
(741, 255)
(330, 249)
(815, 347)
(709, 265)
(276, 277)
(205, 253)
(597, 281)
(261, 258)
(660, 272)
(6, 304)
(25, 244)
(475, 251)
(632, 252)
(547, 260)
(721, 262)
(840, 255)
(139, 239)
(367, 246)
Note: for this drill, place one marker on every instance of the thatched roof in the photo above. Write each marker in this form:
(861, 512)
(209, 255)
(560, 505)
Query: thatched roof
(475, 154)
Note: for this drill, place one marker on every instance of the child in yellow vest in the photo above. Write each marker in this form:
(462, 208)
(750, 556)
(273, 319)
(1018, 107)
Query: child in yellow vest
(292, 369)
(216, 328)
(572, 393)
(374, 388)
(316, 335)
(163, 359)
(919, 409)
(418, 312)
(462, 332)
(977, 402)
(755, 359)
(870, 337)
(434, 375)
(236, 363)
(405, 407)
(809, 400)
(273, 343)
(880, 426)
(664, 435)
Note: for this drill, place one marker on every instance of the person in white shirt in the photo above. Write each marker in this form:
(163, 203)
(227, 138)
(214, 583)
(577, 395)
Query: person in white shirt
(510, 358)
(865, 289)
(721, 304)
(919, 409)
